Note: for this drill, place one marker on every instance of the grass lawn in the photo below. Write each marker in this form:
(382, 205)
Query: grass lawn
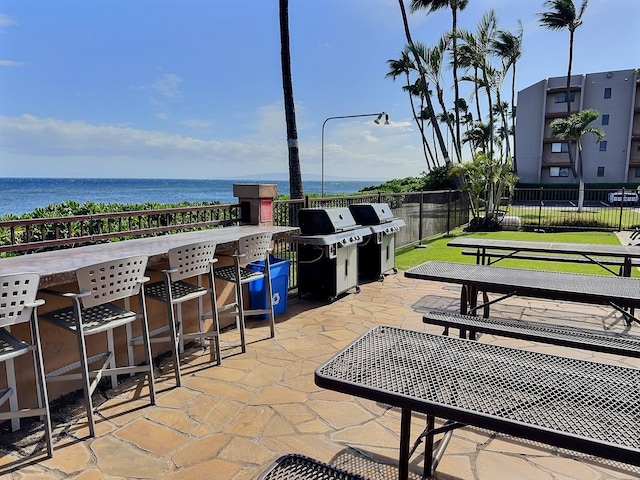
(436, 249)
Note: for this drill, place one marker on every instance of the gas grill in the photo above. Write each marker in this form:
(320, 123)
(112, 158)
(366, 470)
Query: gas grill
(328, 251)
(376, 255)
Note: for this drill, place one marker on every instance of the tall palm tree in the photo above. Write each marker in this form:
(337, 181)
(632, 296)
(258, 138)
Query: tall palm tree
(295, 175)
(477, 53)
(562, 14)
(455, 6)
(572, 129)
(433, 61)
(508, 47)
(425, 86)
(404, 66)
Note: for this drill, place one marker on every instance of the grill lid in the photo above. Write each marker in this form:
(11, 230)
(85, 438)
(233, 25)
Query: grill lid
(322, 221)
(371, 213)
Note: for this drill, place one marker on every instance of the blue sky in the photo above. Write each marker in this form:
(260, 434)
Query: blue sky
(192, 88)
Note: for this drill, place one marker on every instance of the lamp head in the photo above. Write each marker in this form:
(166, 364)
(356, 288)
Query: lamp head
(386, 118)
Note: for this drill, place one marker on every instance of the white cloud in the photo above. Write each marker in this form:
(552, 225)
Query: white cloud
(167, 85)
(6, 21)
(10, 63)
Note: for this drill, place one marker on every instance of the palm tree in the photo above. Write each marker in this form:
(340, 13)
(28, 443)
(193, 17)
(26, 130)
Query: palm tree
(424, 86)
(404, 66)
(433, 61)
(508, 47)
(455, 6)
(295, 175)
(572, 129)
(562, 14)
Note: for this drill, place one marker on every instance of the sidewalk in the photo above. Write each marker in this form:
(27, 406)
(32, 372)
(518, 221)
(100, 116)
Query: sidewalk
(230, 422)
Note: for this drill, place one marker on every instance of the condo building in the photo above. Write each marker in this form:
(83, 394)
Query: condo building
(543, 158)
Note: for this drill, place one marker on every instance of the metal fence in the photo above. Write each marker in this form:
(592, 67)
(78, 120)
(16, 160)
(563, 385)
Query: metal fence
(425, 213)
(40, 234)
(557, 209)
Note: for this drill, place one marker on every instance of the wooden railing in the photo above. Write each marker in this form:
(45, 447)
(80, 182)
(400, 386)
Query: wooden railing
(58, 232)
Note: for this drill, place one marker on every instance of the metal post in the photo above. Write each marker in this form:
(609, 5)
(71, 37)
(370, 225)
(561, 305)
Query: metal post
(621, 211)
(420, 216)
(540, 209)
(449, 213)
(377, 120)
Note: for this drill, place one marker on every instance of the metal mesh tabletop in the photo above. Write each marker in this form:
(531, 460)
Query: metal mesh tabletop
(593, 289)
(300, 467)
(576, 404)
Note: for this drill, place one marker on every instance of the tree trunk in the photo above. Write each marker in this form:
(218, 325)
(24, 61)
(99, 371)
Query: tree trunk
(425, 86)
(580, 177)
(572, 161)
(295, 175)
(512, 128)
(456, 87)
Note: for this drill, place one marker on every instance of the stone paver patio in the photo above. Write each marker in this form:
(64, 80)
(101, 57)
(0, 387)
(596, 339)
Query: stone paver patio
(230, 422)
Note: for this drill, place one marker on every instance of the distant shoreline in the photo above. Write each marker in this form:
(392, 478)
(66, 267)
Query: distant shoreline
(20, 195)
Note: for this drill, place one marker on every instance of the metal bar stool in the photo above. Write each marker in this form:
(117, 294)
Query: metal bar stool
(18, 304)
(195, 260)
(251, 248)
(93, 312)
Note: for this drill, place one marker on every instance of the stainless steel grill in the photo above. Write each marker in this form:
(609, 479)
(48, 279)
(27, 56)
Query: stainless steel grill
(376, 255)
(327, 251)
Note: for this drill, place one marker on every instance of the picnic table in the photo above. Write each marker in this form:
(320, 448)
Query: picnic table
(579, 405)
(491, 250)
(621, 293)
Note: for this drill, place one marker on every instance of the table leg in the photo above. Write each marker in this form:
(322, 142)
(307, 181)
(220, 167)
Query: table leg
(626, 268)
(428, 447)
(464, 299)
(405, 434)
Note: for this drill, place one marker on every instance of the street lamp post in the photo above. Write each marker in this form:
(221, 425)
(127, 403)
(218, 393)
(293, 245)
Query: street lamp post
(377, 121)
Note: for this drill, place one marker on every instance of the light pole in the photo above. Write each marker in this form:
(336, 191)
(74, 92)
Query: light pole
(377, 121)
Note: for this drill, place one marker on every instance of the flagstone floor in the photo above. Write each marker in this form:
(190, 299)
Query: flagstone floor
(230, 422)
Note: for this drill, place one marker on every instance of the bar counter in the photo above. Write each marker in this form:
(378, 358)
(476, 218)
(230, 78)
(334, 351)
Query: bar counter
(57, 271)
(58, 267)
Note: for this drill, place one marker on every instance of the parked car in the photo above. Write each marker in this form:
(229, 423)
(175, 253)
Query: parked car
(623, 197)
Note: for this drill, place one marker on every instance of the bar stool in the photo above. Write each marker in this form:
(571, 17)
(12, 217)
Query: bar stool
(251, 248)
(93, 312)
(195, 260)
(18, 304)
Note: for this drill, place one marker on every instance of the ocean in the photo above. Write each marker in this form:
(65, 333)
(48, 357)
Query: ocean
(23, 195)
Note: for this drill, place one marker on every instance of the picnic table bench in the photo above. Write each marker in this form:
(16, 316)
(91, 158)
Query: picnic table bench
(494, 256)
(578, 405)
(562, 335)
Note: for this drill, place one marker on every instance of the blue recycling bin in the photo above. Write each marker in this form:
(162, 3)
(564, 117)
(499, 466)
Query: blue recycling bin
(279, 286)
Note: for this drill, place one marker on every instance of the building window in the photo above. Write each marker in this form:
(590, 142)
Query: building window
(607, 92)
(603, 146)
(558, 171)
(561, 97)
(600, 172)
(559, 148)
(637, 172)
(605, 119)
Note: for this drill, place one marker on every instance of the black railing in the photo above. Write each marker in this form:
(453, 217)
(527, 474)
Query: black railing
(39, 234)
(557, 209)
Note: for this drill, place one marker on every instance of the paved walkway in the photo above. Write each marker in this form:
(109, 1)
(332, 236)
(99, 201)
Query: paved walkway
(230, 422)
